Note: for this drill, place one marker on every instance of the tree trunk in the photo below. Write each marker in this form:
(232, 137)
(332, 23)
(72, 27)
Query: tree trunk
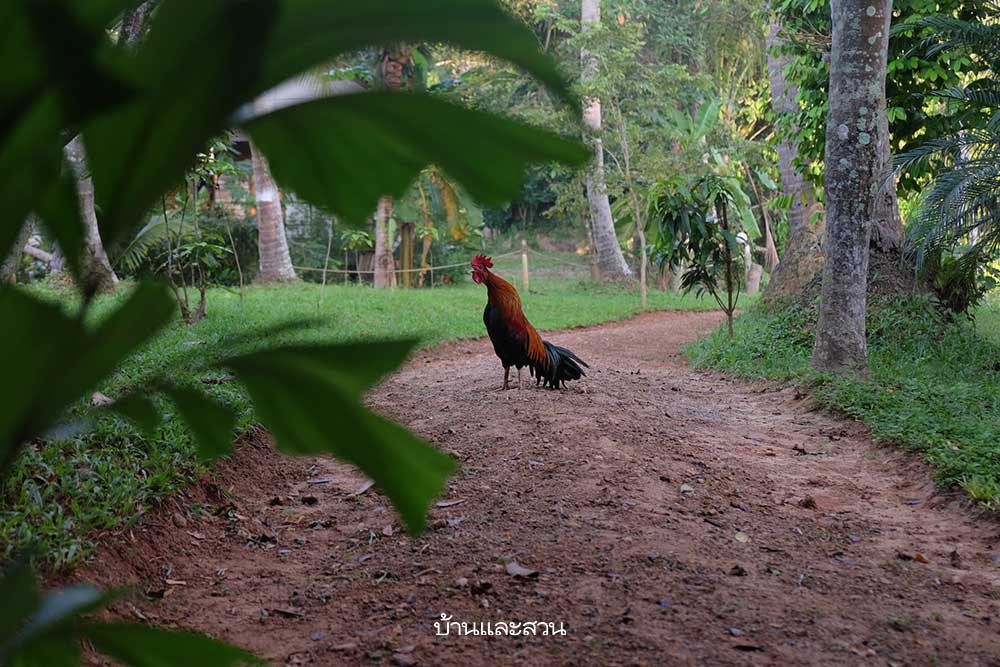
(406, 232)
(610, 261)
(275, 260)
(393, 66)
(754, 273)
(385, 269)
(803, 256)
(856, 149)
(8, 268)
(887, 229)
(97, 272)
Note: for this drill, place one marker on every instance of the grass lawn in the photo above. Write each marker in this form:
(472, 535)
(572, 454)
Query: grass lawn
(64, 492)
(934, 385)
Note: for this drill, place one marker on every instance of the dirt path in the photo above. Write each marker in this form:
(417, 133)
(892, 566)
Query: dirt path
(675, 518)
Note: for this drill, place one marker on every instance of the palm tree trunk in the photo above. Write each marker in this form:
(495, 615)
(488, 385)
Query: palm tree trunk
(275, 260)
(610, 261)
(97, 272)
(385, 264)
(393, 63)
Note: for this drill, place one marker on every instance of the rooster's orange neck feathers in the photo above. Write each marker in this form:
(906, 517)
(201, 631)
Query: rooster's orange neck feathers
(502, 296)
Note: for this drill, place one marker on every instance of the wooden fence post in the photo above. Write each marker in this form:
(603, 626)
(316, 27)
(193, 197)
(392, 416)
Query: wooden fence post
(524, 264)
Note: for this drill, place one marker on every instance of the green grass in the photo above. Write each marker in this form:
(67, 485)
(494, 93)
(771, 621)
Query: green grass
(934, 385)
(64, 492)
(988, 320)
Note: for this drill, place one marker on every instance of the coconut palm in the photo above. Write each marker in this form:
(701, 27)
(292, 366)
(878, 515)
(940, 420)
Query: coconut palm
(960, 211)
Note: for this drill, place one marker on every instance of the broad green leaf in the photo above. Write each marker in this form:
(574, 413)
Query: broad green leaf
(353, 367)
(56, 650)
(24, 406)
(211, 423)
(138, 409)
(59, 210)
(100, 13)
(54, 80)
(344, 152)
(193, 71)
(313, 32)
(64, 360)
(308, 398)
(766, 179)
(47, 637)
(144, 646)
(148, 309)
(19, 592)
(749, 223)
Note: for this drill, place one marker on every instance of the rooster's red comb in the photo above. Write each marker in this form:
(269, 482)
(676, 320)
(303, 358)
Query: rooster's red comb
(482, 262)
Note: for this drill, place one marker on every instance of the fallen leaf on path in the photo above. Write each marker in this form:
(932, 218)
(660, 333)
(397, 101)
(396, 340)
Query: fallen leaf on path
(350, 646)
(404, 660)
(364, 488)
(920, 558)
(515, 569)
(388, 531)
(325, 480)
(287, 613)
(449, 503)
(687, 488)
(197, 536)
(175, 582)
(741, 537)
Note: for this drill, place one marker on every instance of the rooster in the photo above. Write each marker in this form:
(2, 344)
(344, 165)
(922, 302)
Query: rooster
(514, 339)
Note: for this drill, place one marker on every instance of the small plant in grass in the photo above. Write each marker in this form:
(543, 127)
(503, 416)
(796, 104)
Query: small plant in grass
(696, 236)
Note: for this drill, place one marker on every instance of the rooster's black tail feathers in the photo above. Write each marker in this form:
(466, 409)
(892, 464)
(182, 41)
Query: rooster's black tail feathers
(563, 366)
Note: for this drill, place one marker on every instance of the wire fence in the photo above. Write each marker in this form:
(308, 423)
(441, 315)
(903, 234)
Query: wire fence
(421, 269)
(523, 253)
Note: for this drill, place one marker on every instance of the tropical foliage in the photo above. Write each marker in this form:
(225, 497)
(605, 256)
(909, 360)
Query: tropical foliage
(957, 223)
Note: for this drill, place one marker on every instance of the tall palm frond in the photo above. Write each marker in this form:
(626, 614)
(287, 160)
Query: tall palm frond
(960, 211)
(132, 256)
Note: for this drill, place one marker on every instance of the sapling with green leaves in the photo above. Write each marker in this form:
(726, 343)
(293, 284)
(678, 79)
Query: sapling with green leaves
(696, 231)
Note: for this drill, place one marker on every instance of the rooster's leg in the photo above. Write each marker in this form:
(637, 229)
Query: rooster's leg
(506, 378)
(520, 385)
